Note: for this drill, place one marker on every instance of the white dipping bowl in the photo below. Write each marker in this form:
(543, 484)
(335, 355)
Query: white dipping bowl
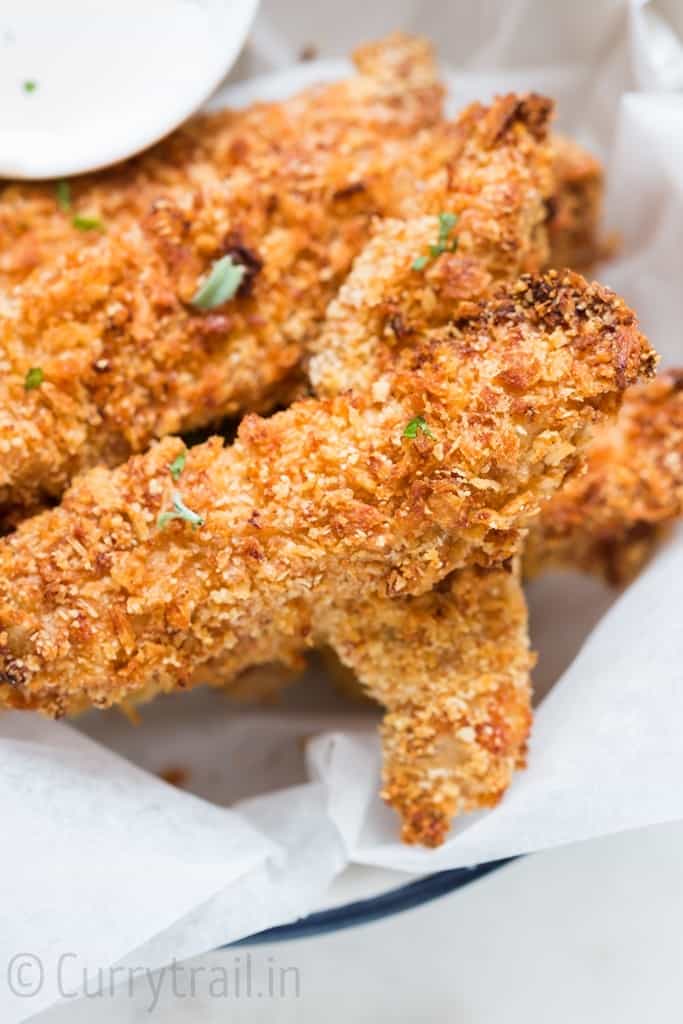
(85, 83)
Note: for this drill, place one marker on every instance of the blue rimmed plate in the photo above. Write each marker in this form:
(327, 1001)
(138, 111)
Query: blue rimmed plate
(373, 908)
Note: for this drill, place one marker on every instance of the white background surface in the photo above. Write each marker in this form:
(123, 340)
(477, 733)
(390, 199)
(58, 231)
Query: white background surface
(589, 933)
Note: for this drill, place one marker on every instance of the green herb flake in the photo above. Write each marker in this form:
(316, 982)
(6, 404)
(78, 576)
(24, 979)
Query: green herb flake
(221, 284)
(34, 378)
(29, 85)
(418, 423)
(63, 195)
(178, 465)
(85, 223)
(180, 511)
(447, 222)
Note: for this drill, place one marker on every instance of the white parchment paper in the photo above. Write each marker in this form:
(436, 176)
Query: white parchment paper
(103, 861)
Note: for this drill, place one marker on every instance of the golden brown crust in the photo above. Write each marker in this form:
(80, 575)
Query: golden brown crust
(323, 503)
(608, 519)
(452, 669)
(315, 504)
(107, 318)
(289, 190)
(496, 189)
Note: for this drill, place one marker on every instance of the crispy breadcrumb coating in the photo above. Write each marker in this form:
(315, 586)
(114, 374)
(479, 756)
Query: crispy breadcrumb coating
(496, 195)
(441, 647)
(289, 191)
(452, 669)
(607, 520)
(328, 504)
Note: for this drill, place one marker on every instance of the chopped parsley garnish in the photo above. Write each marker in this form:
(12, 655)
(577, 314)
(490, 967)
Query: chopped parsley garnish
(178, 465)
(447, 222)
(220, 285)
(34, 378)
(85, 223)
(30, 85)
(417, 423)
(180, 511)
(444, 243)
(63, 194)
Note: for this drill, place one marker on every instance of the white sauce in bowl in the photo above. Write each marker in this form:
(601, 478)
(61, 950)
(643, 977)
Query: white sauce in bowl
(84, 84)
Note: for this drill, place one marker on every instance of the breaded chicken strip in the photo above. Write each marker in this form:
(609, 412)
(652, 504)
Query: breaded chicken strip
(454, 662)
(452, 669)
(398, 648)
(492, 228)
(124, 356)
(607, 520)
(140, 583)
(496, 192)
(497, 196)
(288, 192)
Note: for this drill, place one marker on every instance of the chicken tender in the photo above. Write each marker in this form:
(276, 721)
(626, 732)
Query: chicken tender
(607, 520)
(492, 228)
(140, 583)
(452, 669)
(121, 351)
(287, 192)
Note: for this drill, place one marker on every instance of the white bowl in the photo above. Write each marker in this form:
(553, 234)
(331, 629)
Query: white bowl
(84, 83)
